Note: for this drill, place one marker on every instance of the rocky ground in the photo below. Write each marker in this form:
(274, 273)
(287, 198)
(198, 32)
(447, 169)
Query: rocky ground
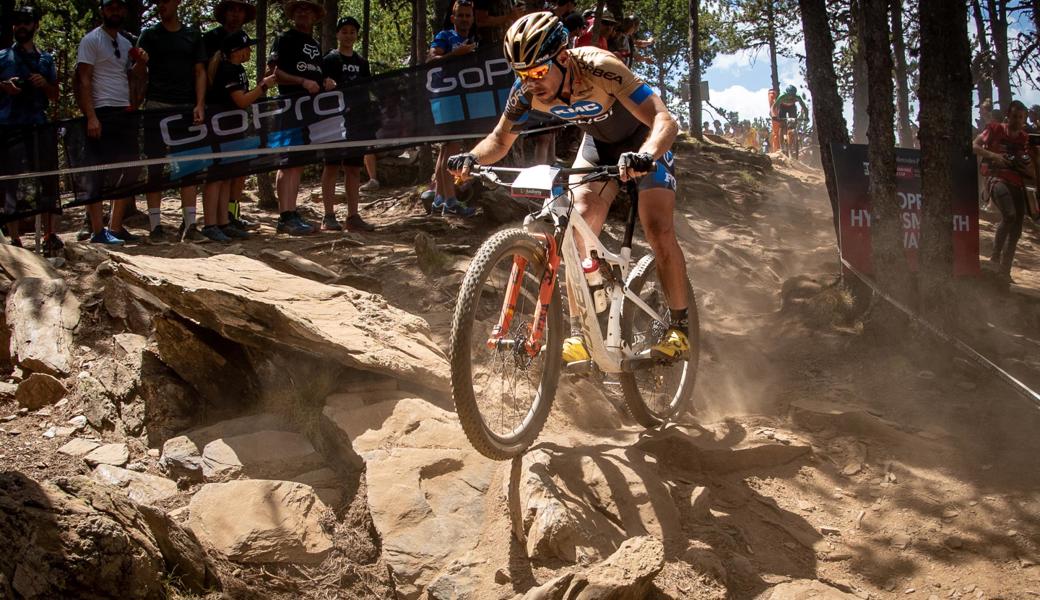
(272, 419)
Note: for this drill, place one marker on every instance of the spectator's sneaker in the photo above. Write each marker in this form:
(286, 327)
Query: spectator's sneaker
(158, 235)
(234, 232)
(105, 237)
(370, 186)
(356, 223)
(86, 233)
(126, 236)
(294, 225)
(212, 232)
(329, 223)
(191, 234)
(243, 224)
(458, 209)
(53, 246)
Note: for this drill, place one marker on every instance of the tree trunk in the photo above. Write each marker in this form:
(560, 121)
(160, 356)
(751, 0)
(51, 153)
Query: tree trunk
(823, 85)
(420, 20)
(860, 87)
(983, 66)
(264, 181)
(945, 97)
(774, 74)
(998, 28)
(366, 21)
(694, 38)
(6, 33)
(328, 25)
(902, 81)
(617, 7)
(889, 257)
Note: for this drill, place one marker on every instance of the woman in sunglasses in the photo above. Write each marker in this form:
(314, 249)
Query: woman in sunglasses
(625, 123)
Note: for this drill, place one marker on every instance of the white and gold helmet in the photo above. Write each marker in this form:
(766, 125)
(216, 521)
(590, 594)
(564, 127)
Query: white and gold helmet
(534, 39)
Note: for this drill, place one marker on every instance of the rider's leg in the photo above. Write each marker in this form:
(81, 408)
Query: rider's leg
(656, 208)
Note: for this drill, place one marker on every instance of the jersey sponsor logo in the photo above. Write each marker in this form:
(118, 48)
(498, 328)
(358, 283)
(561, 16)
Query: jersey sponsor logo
(311, 51)
(302, 67)
(579, 110)
(352, 68)
(595, 71)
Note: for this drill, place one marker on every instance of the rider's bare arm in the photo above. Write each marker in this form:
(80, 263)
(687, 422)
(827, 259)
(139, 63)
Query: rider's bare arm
(495, 146)
(655, 115)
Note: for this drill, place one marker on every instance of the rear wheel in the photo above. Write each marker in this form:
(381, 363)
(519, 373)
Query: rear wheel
(502, 392)
(657, 394)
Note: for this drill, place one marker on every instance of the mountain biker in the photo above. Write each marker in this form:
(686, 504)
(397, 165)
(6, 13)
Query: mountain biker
(625, 123)
(786, 107)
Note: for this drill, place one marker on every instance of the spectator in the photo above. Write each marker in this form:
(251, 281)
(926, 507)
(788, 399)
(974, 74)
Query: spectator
(347, 68)
(718, 127)
(575, 25)
(176, 59)
(297, 58)
(562, 8)
(985, 115)
(492, 18)
(28, 84)
(1006, 155)
(370, 167)
(606, 29)
(230, 88)
(456, 41)
(231, 15)
(1034, 119)
(104, 69)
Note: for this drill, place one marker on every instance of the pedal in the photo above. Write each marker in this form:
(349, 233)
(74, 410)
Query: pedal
(578, 367)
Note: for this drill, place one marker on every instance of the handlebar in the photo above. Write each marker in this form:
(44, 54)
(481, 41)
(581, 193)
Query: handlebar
(606, 170)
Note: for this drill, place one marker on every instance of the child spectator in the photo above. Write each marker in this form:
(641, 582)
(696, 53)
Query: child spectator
(231, 15)
(297, 56)
(230, 88)
(347, 68)
(457, 41)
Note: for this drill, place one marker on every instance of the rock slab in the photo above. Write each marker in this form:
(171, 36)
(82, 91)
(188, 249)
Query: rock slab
(140, 487)
(627, 574)
(39, 390)
(261, 521)
(109, 454)
(253, 304)
(263, 454)
(804, 589)
(41, 314)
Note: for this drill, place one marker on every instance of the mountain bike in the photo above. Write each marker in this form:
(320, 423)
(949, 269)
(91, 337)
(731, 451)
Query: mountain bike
(508, 327)
(791, 138)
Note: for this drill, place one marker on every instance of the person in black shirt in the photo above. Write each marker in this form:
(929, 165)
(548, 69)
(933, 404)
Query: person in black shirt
(347, 68)
(231, 15)
(297, 56)
(229, 89)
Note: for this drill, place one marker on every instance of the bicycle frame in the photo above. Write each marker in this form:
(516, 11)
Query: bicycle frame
(609, 353)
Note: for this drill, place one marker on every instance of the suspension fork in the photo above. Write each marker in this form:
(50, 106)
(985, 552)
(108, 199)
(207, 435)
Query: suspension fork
(533, 342)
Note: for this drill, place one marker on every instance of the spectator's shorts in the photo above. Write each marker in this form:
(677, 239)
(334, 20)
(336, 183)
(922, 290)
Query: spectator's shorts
(153, 143)
(350, 161)
(594, 152)
(118, 143)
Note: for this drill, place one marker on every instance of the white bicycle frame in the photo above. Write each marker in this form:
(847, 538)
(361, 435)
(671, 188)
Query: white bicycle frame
(609, 353)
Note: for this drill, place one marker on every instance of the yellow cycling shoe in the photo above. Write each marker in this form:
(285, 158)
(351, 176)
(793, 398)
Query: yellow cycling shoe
(574, 350)
(674, 345)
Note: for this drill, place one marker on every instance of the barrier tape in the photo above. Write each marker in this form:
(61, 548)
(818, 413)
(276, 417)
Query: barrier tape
(1022, 389)
(394, 142)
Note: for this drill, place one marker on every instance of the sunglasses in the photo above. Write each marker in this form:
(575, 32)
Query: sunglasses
(115, 47)
(534, 73)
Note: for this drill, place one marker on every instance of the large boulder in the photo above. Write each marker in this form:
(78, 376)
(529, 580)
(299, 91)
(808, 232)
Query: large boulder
(39, 390)
(581, 504)
(627, 574)
(261, 521)
(41, 314)
(76, 538)
(253, 304)
(263, 454)
(426, 485)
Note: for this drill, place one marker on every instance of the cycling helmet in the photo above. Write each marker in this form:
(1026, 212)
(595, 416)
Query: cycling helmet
(534, 39)
(791, 90)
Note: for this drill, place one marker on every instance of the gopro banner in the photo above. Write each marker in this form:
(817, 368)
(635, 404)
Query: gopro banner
(143, 151)
(853, 179)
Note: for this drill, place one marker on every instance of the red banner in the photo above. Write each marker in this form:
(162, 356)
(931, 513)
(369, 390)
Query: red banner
(853, 179)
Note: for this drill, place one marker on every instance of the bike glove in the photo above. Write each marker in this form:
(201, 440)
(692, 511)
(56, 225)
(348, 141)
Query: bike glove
(640, 162)
(458, 162)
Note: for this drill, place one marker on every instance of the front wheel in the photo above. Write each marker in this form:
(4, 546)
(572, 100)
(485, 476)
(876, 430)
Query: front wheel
(657, 394)
(502, 390)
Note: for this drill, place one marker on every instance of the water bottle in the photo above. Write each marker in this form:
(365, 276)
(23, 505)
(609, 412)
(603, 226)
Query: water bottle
(595, 279)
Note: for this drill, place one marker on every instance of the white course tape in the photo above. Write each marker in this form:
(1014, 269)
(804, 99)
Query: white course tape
(1022, 389)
